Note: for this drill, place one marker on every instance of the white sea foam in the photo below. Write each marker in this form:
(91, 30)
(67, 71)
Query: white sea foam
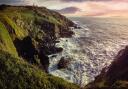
(89, 51)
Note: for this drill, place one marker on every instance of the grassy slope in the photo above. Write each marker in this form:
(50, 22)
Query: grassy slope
(6, 37)
(19, 32)
(18, 74)
(25, 16)
(15, 73)
(6, 43)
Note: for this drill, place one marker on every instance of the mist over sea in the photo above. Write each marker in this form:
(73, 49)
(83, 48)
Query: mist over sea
(92, 48)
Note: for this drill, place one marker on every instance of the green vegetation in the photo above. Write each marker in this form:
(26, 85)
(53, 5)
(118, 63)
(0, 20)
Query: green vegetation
(19, 32)
(15, 73)
(6, 42)
(23, 58)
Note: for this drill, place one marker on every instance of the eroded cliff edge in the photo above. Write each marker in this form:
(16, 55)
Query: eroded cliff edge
(28, 34)
(115, 76)
(31, 32)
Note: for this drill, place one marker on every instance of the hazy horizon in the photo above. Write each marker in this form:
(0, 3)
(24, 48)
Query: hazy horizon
(100, 8)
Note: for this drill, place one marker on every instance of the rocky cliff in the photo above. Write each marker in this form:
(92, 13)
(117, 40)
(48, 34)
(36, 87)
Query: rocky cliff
(30, 33)
(115, 76)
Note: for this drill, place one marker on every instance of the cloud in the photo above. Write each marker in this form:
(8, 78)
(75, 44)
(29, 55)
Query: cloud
(39, 2)
(68, 10)
(18, 2)
(72, 0)
(93, 0)
(77, 7)
(83, 0)
(104, 9)
(110, 13)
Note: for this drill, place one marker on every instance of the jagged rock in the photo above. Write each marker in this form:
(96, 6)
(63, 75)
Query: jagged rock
(23, 30)
(115, 76)
(44, 60)
(63, 63)
(27, 28)
(119, 68)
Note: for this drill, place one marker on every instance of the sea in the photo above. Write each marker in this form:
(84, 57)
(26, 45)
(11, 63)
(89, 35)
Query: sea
(92, 48)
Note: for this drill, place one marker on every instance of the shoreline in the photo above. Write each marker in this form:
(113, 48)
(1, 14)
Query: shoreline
(88, 50)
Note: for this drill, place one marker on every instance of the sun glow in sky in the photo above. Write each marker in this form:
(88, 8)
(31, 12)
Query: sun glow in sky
(80, 7)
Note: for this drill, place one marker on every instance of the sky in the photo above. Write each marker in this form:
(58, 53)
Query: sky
(99, 8)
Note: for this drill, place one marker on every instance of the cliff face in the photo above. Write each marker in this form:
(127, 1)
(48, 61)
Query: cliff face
(119, 68)
(114, 77)
(28, 34)
(31, 32)
(18, 74)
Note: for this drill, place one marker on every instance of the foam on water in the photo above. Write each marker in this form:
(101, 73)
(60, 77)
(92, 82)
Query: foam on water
(87, 53)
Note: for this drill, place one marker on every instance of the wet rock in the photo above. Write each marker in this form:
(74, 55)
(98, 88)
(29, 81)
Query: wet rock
(44, 60)
(119, 68)
(66, 33)
(54, 50)
(63, 63)
(54, 56)
(76, 25)
(114, 76)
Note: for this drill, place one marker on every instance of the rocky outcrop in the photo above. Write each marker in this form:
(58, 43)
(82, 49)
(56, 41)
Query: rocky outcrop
(28, 34)
(63, 63)
(15, 73)
(119, 68)
(115, 76)
(33, 32)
